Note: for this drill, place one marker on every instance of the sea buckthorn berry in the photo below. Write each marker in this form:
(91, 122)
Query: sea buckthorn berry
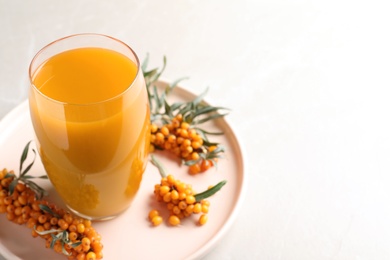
(194, 169)
(10, 208)
(3, 208)
(3, 193)
(68, 218)
(153, 213)
(73, 236)
(179, 140)
(72, 228)
(205, 209)
(197, 208)
(172, 139)
(157, 220)
(174, 195)
(22, 200)
(163, 190)
(182, 195)
(54, 221)
(212, 148)
(85, 241)
(97, 246)
(10, 216)
(20, 187)
(87, 223)
(190, 199)
(80, 228)
(42, 218)
(167, 146)
(184, 125)
(182, 205)
(31, 222)
(176, 210)
(46, 225)
(63, 224)
(153, 128)
(174, 220)
(167, 197)
(205, 202)
(7, 200)
(18, 211)
(170, 179)
(194, 156)
(34, 233)
(203, 219)
(159, 137)
(164, 130)
(35, 206)
(90, 256)
(205, 165)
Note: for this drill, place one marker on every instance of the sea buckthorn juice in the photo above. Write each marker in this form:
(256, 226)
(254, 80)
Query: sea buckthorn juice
(90, 112)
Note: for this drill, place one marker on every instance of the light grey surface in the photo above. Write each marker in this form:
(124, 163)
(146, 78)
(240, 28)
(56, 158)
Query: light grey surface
(308, 85)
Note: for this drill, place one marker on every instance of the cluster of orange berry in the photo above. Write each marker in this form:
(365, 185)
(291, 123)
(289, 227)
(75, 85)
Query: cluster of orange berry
(180, 200)
(185, 142)
(65, 233)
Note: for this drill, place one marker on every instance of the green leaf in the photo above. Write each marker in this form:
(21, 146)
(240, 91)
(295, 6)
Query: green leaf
(30, 165)
(210, 192)
(212, 117)
(75, 244)
(207, 132)
(9, 175)
(12, 186)
(145, 62)
(171, 86)
(47, 209)
(190, 162)
(207, 109)
(24, 156)
(199, 98)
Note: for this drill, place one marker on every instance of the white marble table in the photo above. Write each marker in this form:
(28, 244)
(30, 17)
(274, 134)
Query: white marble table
(308, 85)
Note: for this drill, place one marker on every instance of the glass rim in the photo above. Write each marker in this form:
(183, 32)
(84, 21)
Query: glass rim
(30, 72)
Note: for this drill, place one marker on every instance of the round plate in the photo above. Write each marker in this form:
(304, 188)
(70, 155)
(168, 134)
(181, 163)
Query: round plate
(131, 235)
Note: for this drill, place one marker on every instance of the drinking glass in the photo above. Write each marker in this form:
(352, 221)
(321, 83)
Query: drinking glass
(90, 112)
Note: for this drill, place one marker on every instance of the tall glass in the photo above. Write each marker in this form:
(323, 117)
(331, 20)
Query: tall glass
(90, 112)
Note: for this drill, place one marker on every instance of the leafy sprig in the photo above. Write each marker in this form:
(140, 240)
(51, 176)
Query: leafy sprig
(59, 235)
(199, 196)
(24, 177)
(194, 112)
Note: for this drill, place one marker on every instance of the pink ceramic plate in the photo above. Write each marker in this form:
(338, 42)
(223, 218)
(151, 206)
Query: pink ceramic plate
(130, 235)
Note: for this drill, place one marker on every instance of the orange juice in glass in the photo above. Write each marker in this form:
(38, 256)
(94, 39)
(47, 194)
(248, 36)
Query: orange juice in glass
(90, 112)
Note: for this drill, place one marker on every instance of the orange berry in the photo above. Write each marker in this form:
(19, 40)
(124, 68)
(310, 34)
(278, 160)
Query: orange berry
(174, 220)
(184, 125)
(164, 130)
(205, 165)
(194, 168)
(156, 220)
(202, 219)
(153, 213)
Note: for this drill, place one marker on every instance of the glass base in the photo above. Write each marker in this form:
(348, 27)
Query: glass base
(102, 218)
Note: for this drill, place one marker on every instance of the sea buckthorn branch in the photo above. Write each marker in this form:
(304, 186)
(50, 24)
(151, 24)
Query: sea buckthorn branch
(180, 199)
(63, 232)
(175, 127)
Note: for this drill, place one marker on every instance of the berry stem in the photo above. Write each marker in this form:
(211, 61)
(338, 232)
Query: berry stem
(159, 166)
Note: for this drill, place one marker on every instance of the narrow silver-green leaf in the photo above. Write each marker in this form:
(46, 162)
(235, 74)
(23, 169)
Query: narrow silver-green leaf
(208, 193)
